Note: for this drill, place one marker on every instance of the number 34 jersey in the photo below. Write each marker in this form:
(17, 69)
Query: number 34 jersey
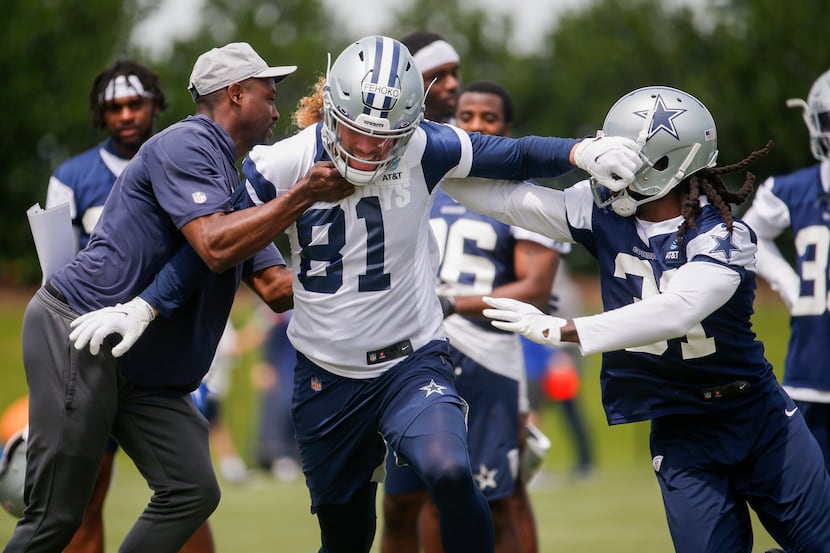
(637, 261)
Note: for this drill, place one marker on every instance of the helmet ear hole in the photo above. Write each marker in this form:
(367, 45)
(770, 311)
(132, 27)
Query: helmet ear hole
(662, 163)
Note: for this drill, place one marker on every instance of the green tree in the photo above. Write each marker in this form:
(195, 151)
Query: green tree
(49, 54)
(742, 58)
(284, 32)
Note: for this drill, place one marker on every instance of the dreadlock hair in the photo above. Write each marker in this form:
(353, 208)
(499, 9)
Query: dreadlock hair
(709, 182)
(149, 80)
(310, 108)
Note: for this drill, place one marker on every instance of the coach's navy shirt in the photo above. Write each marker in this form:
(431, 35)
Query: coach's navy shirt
(184, 172)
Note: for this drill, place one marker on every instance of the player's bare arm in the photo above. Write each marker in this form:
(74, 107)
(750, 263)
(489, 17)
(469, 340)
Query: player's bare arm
(273, 286)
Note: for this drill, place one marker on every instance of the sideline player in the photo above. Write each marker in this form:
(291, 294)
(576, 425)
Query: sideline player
(480, 256)
(677, 275)
(800, 201)
(365, 265)
(439, 64)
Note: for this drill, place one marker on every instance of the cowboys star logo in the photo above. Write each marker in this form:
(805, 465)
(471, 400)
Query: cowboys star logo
(433, 388)
(663, 118)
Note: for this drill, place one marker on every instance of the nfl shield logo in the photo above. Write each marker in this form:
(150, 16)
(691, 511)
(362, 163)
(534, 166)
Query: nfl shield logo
(316, 384)
(199, 197)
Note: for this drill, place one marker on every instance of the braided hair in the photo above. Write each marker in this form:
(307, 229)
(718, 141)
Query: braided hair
(709, 183)
(149, 80)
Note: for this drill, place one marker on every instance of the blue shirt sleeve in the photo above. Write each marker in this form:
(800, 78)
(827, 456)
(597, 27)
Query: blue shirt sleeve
(529, 157)
(182, 275)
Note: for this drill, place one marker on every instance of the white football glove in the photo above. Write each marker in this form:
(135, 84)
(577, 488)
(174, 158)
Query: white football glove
(611, 160)
(128, 320)
(524, 319)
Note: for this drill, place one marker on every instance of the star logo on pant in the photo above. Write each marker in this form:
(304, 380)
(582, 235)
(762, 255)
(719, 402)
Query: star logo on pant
(486, 478)
(433, 388)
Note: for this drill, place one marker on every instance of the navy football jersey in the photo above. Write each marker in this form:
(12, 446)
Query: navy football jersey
(800, 201)
(637, 260)
(84, 182)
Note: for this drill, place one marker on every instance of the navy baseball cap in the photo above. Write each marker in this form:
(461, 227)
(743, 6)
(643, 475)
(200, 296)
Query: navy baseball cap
(232, 63)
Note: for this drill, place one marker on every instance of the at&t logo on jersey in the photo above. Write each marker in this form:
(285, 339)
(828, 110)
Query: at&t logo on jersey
(672, 256)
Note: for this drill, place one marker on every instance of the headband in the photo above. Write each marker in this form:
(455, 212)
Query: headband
(124, 86)
(434, 54)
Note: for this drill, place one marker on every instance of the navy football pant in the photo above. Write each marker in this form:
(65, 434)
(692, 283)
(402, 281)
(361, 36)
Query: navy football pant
(440, 458)
(713, 468)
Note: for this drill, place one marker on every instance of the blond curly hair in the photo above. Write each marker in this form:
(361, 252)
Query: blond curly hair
(310, 108)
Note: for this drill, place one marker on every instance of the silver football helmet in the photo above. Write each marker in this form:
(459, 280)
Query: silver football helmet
(372, 89)
(676, 135)
(817, 116)
(13, 474)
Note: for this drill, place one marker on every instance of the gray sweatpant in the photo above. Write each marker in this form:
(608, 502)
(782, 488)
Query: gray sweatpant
(76, 401)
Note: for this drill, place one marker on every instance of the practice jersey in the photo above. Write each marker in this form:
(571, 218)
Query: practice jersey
(364, 280)
(801, 201)
(636, 260)
(184, 172)
(477, 256)
(84, 182)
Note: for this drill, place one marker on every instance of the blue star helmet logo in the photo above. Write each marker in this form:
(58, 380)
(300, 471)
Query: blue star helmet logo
(663, 118)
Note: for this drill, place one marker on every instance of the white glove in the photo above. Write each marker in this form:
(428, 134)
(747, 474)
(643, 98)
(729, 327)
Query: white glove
(524, 319)
(129, 320)
(611, 160)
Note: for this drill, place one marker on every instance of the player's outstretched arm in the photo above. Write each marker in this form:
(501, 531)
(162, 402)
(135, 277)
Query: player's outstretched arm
(522, 318)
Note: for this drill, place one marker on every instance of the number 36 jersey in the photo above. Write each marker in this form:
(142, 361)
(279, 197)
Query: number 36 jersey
(364, 267)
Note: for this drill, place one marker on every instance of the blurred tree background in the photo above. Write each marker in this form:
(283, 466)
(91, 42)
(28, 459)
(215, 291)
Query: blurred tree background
(742, 58)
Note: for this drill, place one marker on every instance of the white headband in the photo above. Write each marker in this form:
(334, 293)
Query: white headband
(124, 86)
(437, 53)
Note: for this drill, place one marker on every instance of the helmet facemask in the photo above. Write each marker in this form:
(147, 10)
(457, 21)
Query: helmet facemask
(676, 137)
(373, 90)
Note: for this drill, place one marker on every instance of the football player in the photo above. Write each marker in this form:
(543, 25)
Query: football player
(677, 274)
(800, 202)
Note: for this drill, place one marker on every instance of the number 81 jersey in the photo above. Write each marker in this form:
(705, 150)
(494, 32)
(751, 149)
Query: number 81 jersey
(364, 267)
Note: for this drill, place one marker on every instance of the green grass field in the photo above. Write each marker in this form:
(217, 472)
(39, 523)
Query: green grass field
(619, 509)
